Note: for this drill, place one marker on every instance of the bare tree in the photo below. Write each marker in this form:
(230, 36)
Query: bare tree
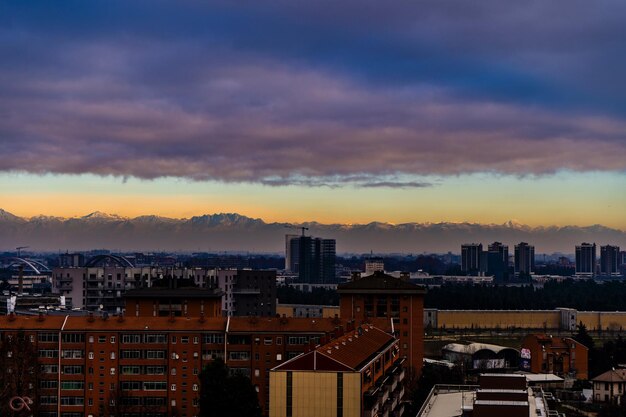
(20, 373)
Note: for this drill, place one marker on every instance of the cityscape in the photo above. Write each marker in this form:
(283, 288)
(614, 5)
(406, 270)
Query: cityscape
(312, 209)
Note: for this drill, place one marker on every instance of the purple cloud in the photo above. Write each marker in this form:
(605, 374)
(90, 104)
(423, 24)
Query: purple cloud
(225, 105)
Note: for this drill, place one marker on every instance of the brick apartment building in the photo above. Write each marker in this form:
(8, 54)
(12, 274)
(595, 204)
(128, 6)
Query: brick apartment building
(383, 296)
(140, 366)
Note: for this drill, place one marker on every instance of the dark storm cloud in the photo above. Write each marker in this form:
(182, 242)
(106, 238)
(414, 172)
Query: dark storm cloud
(302, 92)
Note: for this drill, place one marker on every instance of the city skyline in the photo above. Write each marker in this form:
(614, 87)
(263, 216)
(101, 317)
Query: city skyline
(345, 114)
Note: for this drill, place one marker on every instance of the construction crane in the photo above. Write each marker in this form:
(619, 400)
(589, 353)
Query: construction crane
(19, 250)
(296, 227)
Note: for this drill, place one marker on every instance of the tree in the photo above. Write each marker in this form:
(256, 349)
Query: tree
(432, 375)
(583, 337)
(225, 395)
(19, 372)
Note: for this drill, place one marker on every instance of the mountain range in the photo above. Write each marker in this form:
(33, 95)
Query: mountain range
(235, 232)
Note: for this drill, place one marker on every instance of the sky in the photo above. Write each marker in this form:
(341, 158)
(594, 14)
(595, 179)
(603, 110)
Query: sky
(340, 112)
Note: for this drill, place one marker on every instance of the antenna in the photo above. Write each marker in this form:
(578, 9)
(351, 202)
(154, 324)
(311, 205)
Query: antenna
(296, 227)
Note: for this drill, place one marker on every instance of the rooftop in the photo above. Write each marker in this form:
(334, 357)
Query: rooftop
(614, 375)
(347, 353)
(379, 281)
(181, 292)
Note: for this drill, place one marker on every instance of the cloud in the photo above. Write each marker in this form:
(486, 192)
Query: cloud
(312, 96)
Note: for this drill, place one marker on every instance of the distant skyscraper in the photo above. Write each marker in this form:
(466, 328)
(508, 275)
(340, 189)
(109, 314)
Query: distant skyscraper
(609, 260)
(472, 258)
(316, 261)
(290, 254)
(524, 258)
(586, 259)
(498, 260)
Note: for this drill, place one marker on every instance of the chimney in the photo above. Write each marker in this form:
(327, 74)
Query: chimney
(20, 287)
(356, 275)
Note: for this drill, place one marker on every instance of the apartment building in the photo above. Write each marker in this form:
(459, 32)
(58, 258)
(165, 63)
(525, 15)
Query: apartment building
(383, 296)
(247, 292)
(562, 356)
(357, 374)
(140, 366)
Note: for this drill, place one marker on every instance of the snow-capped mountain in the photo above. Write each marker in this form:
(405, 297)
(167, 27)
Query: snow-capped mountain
(232, 231)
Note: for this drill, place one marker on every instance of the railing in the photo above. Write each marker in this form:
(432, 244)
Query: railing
(442, 389)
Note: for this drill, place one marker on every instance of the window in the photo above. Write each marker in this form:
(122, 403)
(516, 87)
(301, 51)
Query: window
(173, 387)
(155, 354)
(173, 371)
(48, 353)
(184, 339)
(48, 337)
(239, 356)
(72, 401)
(156, 338)
(130, 370)
(90, 355)
(112, 371)
(297, 340)
(72, 354)
(279, 340)
(73, 338)
(90, 339)
(102, 339)
(131, 338)
(194, 387)
(112, 339)
(113, 355)
(73, 369)
(48, 384)
(195, 340)
(72, 385)
(155, 370)
(267, 341)
(130, 354)
(213, 338)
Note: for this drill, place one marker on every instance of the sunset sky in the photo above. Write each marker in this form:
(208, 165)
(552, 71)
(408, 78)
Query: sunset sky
(347, 112)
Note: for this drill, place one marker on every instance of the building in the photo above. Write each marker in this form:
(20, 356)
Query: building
(498, 261)
(374, 265)
(472, 258)
(497, 395)
(306, 310)
(385, 297)
(610, 260)
(524, 259)
(124, 365)
(316, 259)
(173, 302)
(247, 292)
(357, 374)
(610, 387)
(586, 259)
(292, 252)
(481, 356)
(68, 260)
(102, 282)
(562, 356)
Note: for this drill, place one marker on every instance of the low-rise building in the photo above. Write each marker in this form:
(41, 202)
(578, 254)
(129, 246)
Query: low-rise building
(481, 356)
(497, 395)
(562, 356)
(358, 374)
(610, 387)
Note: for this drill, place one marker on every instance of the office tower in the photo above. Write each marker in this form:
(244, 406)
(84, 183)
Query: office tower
(609, 260)
(498, 260)
(291, 255)
(316, 263)
(472, 258)
(524, 258)
(586, 259)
